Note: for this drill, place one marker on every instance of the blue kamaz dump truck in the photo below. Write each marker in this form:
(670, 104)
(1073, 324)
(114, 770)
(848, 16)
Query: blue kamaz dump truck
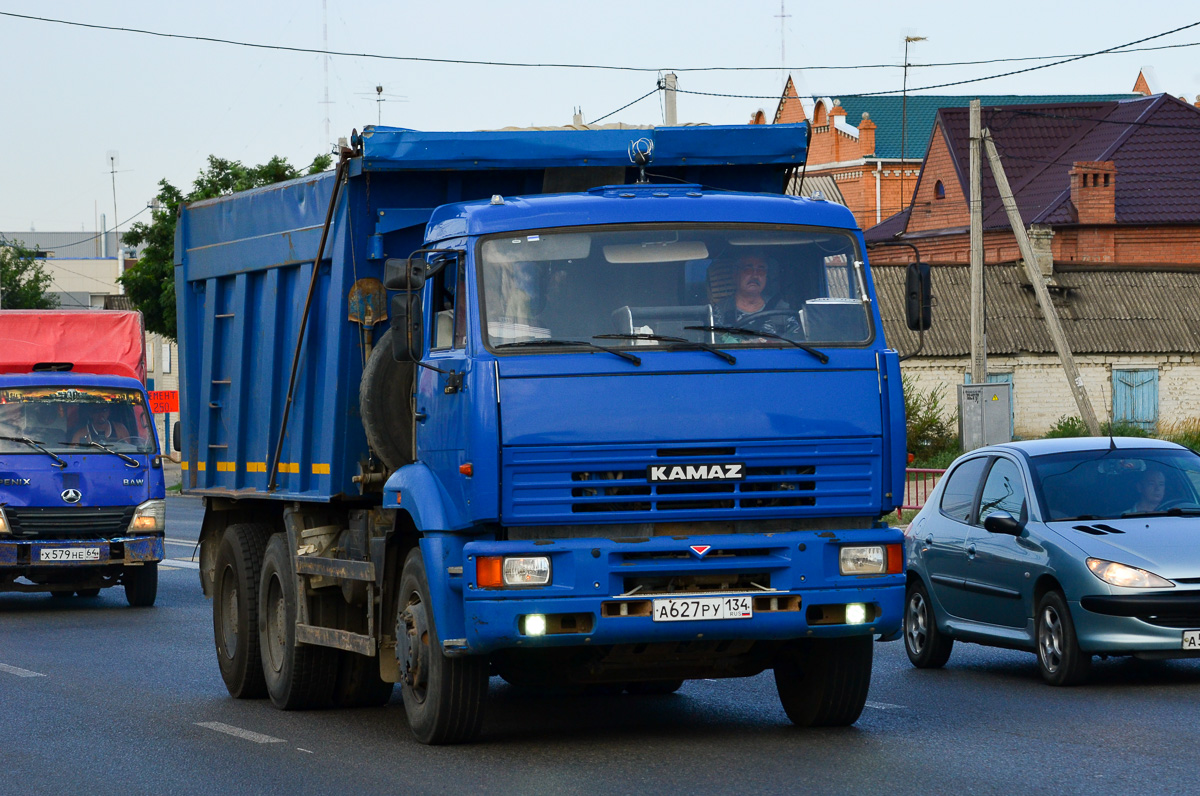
(509, 404)
(81, 480)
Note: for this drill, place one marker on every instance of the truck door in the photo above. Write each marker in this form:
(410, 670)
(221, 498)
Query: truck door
(442, 404)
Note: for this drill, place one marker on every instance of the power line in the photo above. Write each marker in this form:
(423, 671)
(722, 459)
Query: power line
(626, 105)
(609, 67)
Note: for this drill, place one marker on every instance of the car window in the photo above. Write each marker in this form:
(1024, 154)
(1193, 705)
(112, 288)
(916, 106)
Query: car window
(1004, 490)
(958, 497)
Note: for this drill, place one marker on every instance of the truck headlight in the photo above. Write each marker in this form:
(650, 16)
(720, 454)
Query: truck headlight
(149, 516)
(4, 522)
(876, 559)
(493, 572)
(1127, 576)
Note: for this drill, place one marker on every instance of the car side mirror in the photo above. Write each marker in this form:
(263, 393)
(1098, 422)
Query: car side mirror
(918, 297)
(404, 274)
(1002, 522)
(176, 437)
(408, 333)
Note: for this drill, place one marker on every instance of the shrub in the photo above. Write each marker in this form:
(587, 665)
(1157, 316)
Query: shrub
(930, 436)
(1067, 427)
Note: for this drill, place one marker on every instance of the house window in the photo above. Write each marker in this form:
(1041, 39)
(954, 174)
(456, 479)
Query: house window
(939, 190)
(1135, 397)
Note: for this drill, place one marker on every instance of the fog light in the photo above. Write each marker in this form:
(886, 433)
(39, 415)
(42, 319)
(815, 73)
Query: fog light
(535, 625)
(856, 614)
(527, 571)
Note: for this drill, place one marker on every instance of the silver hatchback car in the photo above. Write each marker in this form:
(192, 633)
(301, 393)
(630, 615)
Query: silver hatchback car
(1068, 548)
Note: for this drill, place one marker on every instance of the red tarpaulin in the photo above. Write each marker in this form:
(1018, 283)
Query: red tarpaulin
(92, 341)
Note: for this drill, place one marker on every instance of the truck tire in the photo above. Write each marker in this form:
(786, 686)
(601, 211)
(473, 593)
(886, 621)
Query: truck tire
(359, 684)
(298, 676)
(443, 697)
(141, 584)
(384, 401)
(824, 682)
(88, 592)
(235, 609)
(653, 687)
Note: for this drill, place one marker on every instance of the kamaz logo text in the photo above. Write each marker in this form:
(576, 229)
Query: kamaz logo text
(134, 481)
(695, 472)
(14, 482)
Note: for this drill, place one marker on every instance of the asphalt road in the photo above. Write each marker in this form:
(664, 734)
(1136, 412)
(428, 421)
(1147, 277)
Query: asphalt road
(97, 697)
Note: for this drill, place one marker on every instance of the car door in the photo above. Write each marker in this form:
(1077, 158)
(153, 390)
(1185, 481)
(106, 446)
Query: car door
(943, 535)
(997, 563)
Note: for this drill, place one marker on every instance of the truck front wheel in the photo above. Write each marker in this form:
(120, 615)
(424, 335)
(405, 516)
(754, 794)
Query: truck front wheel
(443, 696)
(298, 676)
(824, 682)
(141, 584)
(235, 609)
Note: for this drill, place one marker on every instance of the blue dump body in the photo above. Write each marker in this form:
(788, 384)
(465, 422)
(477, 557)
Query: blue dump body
(69, 511)
(646, 492)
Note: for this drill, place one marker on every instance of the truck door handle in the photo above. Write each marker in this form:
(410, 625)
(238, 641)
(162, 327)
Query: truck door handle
(420, 416)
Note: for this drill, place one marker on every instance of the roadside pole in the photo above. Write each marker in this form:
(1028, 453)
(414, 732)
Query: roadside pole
(1039, 288)
(978, 333)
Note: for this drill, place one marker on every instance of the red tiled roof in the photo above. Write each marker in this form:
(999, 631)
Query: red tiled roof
(1154, 143)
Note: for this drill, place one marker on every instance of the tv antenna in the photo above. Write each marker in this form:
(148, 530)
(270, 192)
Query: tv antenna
(380, 98)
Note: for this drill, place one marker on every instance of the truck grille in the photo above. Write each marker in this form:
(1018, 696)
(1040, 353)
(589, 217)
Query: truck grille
(69, 523)
(547, 484)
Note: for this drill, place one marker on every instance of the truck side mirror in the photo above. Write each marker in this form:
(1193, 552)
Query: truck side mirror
(408, 333)
(918, 295)
(176, 437)
(404, 274)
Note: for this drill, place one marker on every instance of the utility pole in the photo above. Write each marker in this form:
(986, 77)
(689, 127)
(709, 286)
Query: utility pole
(783, 16)
(1039, 288)
(670, 83)
(978, 310)
(113, 157)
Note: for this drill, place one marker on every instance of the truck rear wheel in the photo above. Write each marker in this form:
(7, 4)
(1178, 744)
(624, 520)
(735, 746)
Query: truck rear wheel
(443, 696)
(298, 676)
(235, 609)
(384, 402)
(824, 682)
(141, 584)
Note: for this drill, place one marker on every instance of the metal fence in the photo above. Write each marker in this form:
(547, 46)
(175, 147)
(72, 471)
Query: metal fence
(919, 482)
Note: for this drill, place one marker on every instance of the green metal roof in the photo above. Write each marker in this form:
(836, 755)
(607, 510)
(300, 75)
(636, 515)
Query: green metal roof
(921, 111)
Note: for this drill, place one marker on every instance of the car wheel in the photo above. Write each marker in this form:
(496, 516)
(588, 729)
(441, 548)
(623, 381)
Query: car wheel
(1059, 657)
(927, 647)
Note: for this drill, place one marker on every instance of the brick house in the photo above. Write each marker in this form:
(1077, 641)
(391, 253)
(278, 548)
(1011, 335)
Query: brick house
(1110, 192)
(866, 151)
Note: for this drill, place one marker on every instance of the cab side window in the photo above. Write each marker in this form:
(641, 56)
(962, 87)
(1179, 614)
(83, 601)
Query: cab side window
(958, 497)
(1004, 490)
(448, 310)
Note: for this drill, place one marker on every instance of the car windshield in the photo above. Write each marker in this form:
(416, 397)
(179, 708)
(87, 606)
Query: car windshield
(74, 419)
(1110, 484)
(656, 285)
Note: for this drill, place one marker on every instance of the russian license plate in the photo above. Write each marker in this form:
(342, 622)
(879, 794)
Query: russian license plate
(70, 554)
(689, 609)
(1191, 640)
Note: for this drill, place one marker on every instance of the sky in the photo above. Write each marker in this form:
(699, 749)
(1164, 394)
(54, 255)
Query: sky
(74, 95)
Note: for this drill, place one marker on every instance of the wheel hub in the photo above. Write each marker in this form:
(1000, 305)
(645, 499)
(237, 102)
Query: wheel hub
(918, 623)
(414, 665)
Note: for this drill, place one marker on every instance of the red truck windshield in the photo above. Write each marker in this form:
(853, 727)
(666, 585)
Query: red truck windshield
(69, 419)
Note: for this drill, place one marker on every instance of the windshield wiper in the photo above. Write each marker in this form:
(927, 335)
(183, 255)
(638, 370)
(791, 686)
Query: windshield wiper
(1174, 511)
(678, 343)
(129, 460)
(33, 443)
(552, 341)
(820, 355)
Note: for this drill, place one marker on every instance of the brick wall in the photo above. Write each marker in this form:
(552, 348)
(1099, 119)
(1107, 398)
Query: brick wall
(950, 210)
(1041, 394)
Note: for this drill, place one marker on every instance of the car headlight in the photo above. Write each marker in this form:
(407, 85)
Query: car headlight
(1123, 575)
(876, 559)
(149, 516)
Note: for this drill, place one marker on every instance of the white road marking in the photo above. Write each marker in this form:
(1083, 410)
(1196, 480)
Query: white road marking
(883, 706)
(19, 672)
(182, 542)
(238, 732)
(306, 751)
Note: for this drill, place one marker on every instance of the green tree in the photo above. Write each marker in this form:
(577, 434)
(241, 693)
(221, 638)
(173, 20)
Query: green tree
(150, 283)
(23, 280)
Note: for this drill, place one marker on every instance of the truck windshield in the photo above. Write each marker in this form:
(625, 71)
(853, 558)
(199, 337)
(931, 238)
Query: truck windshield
(706, 284)
(69, 419)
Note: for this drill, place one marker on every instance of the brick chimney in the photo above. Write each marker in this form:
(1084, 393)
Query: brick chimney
(866, 135)
(1093, 191)
(835, 113)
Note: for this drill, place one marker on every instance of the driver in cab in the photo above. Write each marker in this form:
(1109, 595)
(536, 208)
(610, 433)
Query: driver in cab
(753, 305)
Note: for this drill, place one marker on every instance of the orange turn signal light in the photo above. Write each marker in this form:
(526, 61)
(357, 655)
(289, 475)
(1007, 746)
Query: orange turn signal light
(466, 469)
(489, 572)
(895, 559)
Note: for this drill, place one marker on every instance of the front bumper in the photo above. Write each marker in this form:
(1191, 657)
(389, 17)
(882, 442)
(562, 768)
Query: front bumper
(30, 555)
(1123, 623)
(798, 591)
